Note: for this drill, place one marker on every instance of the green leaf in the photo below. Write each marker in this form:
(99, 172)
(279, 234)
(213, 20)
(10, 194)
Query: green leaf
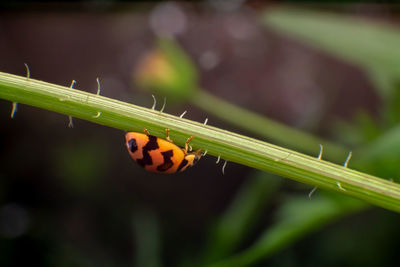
(297, 217)
(370, 45)
(238, 220)
(146, 231)
(382, 156)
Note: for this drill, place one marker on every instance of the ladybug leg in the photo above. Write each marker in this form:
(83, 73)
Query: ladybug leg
(187, 143)
(167, 135)
(146, 132)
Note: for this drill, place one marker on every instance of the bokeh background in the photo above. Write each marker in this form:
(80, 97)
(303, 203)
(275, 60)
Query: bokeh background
(73, 197)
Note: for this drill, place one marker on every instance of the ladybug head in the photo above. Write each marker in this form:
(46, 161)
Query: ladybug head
(193, 157)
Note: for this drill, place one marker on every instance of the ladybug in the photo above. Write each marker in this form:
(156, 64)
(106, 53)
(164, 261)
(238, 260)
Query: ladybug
(160, 155)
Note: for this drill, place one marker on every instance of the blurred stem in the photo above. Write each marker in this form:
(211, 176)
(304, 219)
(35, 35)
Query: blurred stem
(228, 145)
(264, 127)
(296, 218)
(238, 220)
(147, 236)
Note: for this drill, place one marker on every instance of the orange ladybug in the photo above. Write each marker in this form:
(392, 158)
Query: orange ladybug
(160, 155)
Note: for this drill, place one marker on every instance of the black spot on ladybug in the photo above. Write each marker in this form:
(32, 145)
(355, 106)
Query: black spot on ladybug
(151, 145)
(167, 155)
(132, 145)
(183, 164)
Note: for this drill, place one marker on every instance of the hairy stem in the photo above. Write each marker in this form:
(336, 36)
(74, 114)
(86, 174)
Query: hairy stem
(277, 132)
(230, 146)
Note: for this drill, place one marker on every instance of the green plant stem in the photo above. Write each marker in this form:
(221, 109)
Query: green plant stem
(230, 146)
(264, 127)
(296, 218)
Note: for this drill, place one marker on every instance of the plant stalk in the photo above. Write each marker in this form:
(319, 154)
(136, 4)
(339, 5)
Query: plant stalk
(228, 145)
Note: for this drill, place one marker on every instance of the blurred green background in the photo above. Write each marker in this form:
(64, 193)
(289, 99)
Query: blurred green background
(73, 196)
